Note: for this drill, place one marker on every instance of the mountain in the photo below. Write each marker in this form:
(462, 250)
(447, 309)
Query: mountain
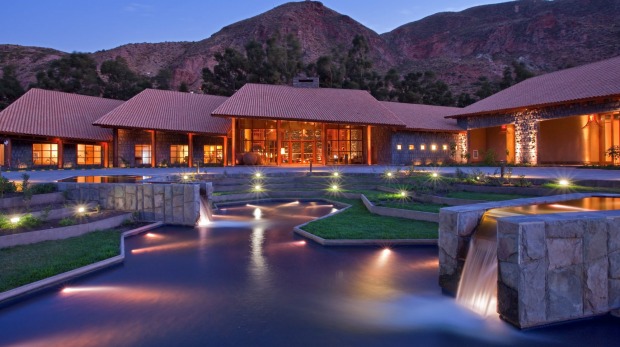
(458, 46)
(544, 35)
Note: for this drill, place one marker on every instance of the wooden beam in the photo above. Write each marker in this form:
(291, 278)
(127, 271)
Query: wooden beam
(153, 148)
(60, 153)
(233, 136)
(106, 153)
(368, 145)
(279, 142)
(8, 151)
(225, 150)
(190, 149)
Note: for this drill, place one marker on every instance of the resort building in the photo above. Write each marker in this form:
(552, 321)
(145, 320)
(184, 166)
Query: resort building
(159, 128)
(50, 129)
(300, 124)
(570, 116)
(428, 138)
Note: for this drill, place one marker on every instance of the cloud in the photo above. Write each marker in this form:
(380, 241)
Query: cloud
(135, 7)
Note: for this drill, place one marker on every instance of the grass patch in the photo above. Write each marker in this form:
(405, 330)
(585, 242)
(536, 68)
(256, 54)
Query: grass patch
(357, 223)
(395, 200)
(21, 265)
(485, 196)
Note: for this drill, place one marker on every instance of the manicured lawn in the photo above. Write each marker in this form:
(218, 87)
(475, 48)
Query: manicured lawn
(357, 223)
(29, 263)
(485, 196)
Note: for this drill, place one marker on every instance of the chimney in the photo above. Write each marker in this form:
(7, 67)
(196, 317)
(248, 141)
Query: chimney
(306, 82)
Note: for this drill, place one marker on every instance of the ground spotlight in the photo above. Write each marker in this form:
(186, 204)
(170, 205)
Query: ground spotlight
(564, 182)
(403, 193)
(81, 209)
(15, 220)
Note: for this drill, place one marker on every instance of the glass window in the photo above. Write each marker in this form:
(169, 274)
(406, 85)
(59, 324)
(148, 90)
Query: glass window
(44, 154)
(411, 148)
(423, 147)
(213, 154)
(88, 154)
(399, 147)
(143, 154)
(179, 154)
(433, 147)
(444, 147)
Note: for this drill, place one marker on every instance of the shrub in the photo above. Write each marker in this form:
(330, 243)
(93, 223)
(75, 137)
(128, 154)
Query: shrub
(490, 158)
(6, 186)
(613, 152)
(43, 188)
(26, 189)
(65, 222)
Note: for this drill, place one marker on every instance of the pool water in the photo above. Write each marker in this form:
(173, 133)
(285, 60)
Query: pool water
(247, 280)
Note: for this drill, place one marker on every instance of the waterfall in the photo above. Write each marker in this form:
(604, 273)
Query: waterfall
(205, 212)
(478, 286)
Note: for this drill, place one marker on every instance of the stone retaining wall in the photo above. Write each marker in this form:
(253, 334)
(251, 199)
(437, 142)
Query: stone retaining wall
(38, 199)
(169, 203)
(62, 232)
(558, 267)
(551, 267)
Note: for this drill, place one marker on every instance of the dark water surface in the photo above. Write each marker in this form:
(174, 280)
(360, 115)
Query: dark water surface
(246, 280)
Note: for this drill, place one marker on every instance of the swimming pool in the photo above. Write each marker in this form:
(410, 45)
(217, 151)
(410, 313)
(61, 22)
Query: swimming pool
(247, 280)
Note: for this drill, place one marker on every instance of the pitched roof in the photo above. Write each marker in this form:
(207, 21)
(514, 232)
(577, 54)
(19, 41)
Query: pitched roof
(56, 114)
(306, 104)
(168, 111)
(600, 79)
(424, 117)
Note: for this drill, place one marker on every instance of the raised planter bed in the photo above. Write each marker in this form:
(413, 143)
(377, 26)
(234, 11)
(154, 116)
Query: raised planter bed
(433, 198)
(401, 213)
(61, 232)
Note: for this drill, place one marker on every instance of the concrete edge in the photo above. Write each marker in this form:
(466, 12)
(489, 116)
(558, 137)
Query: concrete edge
(398, 212)
(71, 274)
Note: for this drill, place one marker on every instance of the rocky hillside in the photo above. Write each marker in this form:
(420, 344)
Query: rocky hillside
(545, 35)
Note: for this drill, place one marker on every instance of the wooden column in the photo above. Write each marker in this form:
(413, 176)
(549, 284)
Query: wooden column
(8, 151)
(601, 138)
(279, 142)
(106, 153)
(115, 147)
(153, 149)
(324, 145)
(190, 150)
(60, 154)
(233, 131)
(368, 145)
(225, 150)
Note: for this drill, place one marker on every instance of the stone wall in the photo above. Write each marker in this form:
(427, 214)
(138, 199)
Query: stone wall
(170, 203)
(127, 139)
(417, 156)
(551, 267)
(558, 267)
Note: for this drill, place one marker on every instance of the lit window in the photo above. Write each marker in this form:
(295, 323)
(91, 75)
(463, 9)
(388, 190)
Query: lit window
(44, 154)
(88, 155)
(444, 147)
(179, 154)
(213, 154)
(411, 148)
(399, 147)
(433, 147)
(422, 147)
(143, 154)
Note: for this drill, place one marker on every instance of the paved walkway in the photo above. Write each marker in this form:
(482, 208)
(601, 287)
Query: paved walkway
(570, 173)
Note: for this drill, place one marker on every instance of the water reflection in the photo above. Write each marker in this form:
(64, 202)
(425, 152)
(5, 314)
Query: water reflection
(257, 284)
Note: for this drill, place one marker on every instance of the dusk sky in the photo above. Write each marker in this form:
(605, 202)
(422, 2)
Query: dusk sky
(88, 26)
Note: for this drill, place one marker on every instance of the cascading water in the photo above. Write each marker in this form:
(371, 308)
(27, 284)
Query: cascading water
(478, 286)
(205, 213)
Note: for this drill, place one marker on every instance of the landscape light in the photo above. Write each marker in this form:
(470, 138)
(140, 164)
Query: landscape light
(564, 183)
(335, 174)
(435, 175)
(403, 193)
(81, 209)
(185, 177)
(389, 174)
(257, 175)
(15, 220)
(257, 187)
(335, 187)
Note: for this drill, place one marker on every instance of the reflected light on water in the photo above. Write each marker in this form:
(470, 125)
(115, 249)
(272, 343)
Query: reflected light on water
(153, 236)
(257, 213)
(69, 290)
(167, 247)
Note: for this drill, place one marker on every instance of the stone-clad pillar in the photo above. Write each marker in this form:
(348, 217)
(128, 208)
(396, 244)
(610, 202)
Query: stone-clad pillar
(526, 137)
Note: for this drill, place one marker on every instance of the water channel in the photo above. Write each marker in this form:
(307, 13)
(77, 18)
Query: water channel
(246, 280)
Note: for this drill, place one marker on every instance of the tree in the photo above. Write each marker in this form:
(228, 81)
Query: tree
(162, 79)
(73, 73)
(10, 88)
(358, 64)
(485, 87)
(184, 88)
(228, 75)
(122, 82)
